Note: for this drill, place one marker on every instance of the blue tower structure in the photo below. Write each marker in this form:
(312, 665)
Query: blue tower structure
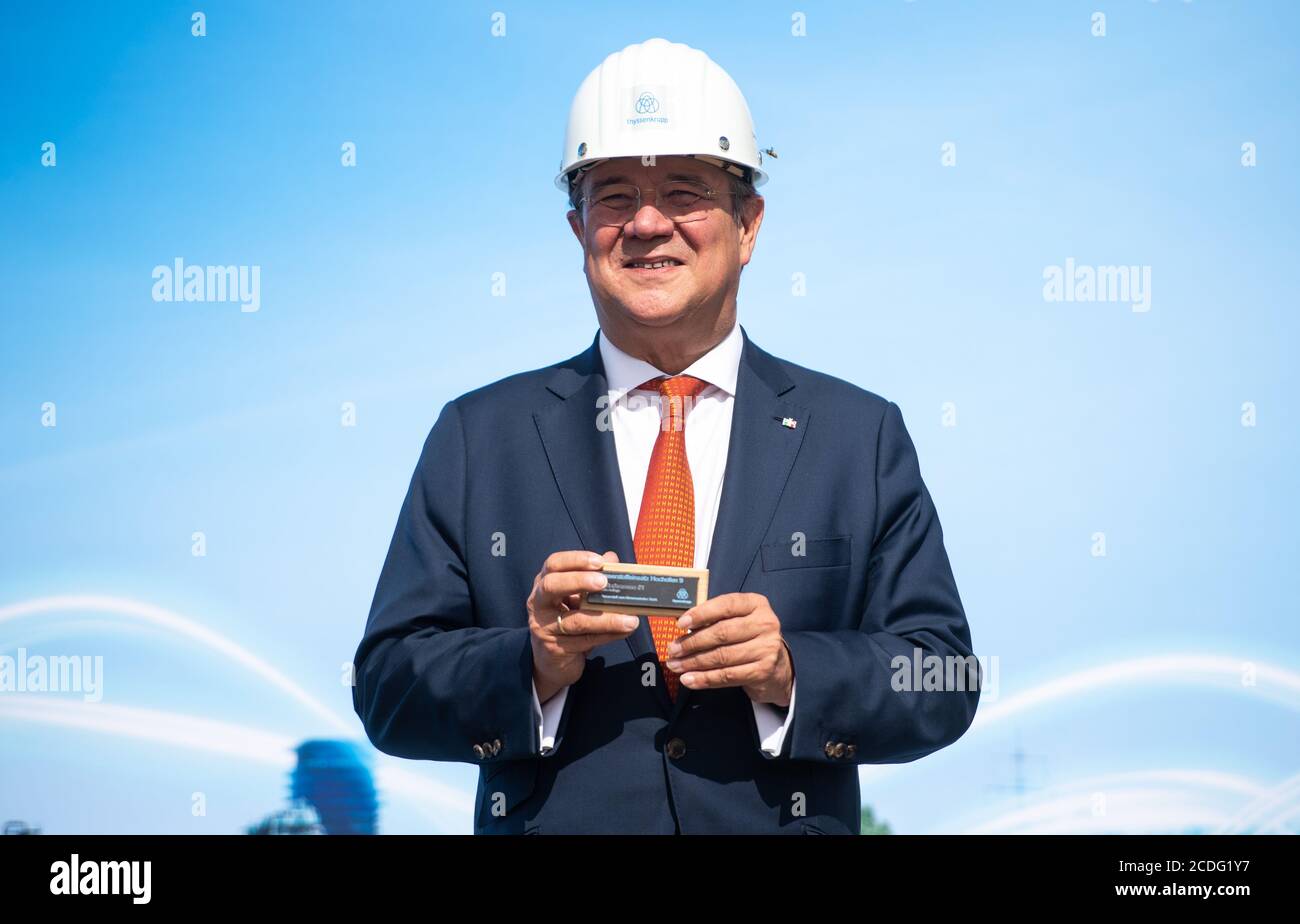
(334, 777)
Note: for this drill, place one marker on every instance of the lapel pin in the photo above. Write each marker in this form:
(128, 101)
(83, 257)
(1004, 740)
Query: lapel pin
(789, 422)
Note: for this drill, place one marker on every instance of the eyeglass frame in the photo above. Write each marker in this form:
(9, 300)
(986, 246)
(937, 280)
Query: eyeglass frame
(712, 196)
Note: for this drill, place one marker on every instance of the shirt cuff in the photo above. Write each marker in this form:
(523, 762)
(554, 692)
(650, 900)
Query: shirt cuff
(773, 723)
(548, 718)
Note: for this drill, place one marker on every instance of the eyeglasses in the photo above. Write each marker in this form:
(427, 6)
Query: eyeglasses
(677, 200)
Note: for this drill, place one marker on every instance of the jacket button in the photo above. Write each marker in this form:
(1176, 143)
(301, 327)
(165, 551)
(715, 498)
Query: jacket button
(479, 752)
(839, 748)
(829, 749)
(676, 748)
(850, 750)
(496, 746)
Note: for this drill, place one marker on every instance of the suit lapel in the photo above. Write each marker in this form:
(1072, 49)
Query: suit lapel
(579, 444)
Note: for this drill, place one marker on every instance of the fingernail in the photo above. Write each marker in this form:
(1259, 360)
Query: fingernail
(595, 561)
(674, 649)
(674, 666)
(688, 679)
(684, 622)
(601, 581)
(630, 622)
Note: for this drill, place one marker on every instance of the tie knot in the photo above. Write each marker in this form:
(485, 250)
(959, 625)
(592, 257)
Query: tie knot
(677, 396)
(677, 386)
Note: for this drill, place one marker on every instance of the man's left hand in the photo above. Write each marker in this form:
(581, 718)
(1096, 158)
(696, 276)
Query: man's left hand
(735, 641)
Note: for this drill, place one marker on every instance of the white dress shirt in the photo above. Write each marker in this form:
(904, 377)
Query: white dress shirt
(635, 418)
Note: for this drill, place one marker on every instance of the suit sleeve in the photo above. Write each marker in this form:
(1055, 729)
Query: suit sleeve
(430, 683)
(858, 702)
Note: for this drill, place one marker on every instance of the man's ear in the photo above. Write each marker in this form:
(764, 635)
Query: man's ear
(751, 218)
(576, 224)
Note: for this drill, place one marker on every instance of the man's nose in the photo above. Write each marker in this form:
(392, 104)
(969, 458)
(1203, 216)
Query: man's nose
(649, 222)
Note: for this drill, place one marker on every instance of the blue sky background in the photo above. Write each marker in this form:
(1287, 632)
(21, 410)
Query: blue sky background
(924, 285)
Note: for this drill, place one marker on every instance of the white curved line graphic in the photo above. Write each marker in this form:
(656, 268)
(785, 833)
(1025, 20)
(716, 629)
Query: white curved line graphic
(1281, 823)
(1139, 801)
(1256, 814)
(239, 741)
(1271, 682)
(181, 625)
(172, 728)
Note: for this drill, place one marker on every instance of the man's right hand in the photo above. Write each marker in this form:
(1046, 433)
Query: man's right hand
(559, 657)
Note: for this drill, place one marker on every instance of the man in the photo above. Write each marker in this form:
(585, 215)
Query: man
(671, 440)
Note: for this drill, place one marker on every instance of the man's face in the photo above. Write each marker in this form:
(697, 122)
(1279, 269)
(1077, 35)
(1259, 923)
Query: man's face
(708, 254)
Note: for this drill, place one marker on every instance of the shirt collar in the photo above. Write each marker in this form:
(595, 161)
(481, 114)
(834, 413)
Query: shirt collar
(719, 367)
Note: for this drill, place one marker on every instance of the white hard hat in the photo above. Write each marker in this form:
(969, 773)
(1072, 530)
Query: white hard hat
(661, 98)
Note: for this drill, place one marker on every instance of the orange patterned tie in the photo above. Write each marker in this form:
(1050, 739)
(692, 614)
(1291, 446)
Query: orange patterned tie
(665, 527)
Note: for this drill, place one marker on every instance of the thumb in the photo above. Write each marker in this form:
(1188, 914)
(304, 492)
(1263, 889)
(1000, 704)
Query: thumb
(610, 556)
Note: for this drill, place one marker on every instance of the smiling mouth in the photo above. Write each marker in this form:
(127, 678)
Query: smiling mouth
(647, 267)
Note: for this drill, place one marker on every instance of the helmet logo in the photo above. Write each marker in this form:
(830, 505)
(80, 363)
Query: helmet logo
(648, 105)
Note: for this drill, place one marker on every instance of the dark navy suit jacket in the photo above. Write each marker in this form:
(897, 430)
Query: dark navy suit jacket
(522, 467)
